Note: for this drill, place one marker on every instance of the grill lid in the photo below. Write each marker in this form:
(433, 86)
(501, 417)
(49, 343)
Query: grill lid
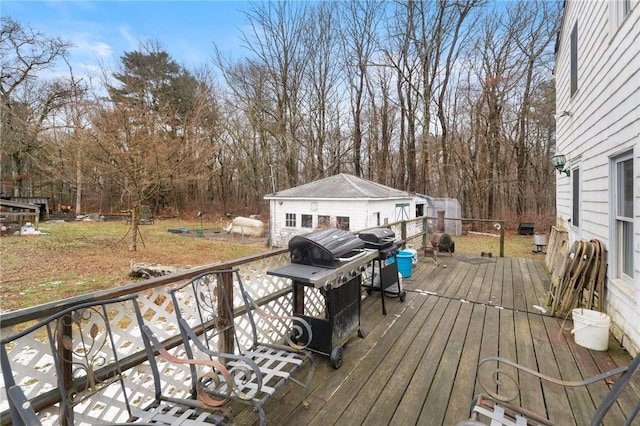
(326, 248)
(378, 238)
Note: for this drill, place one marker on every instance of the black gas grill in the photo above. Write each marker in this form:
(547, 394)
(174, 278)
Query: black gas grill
(384, 240)
(378, 238)
(330, 248)
(332, 261)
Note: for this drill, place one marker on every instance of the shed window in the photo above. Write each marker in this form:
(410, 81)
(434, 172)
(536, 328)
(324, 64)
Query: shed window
(307, 221)
(343, 222)
(324, 221)
(290, 220)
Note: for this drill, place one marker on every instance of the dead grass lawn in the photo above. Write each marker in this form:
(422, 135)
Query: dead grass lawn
(80, 257)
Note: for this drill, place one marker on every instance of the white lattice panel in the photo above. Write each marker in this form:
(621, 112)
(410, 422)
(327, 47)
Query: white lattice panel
(158, 312)
(314, 302)
(33, 364)
(397, 229)
(258, 282)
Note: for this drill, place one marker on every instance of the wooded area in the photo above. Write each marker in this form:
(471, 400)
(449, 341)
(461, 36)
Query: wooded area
(446, 98)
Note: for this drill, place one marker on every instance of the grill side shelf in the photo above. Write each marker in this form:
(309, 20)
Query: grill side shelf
(317, 276)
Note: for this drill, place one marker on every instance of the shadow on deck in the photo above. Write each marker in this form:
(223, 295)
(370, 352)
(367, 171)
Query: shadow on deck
(417, 365)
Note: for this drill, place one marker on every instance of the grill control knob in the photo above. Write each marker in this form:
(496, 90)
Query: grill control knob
(354, 272)
(363, 268)
(343, 278)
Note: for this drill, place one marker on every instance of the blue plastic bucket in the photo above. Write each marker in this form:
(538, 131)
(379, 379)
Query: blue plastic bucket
(405, 263)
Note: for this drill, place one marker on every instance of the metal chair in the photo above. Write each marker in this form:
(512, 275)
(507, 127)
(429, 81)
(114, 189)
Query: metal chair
(230, 333)
(86, 364)
(497, 409)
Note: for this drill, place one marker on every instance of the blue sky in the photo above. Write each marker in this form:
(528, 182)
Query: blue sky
(102, 31)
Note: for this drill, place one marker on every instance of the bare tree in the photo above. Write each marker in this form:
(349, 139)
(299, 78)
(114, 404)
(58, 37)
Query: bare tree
(427, 96)
(360, 31)
(64, 145)
(535, 25)
(323, 79)
(26, 100)
(249, 113)
(382, 125)
(500, 129)
(400, 54)
(449, 39)
(277, 47)
(149, 137)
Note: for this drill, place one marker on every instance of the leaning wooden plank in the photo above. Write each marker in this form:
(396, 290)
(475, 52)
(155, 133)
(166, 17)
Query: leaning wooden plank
(601, 275)
(559, 238)
(579, 278)
(562, 260)
(567, 281)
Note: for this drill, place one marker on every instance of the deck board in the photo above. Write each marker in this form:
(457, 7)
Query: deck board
(418, 364)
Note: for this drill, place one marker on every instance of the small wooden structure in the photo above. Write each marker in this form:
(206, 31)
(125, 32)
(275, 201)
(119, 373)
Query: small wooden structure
(20, 212)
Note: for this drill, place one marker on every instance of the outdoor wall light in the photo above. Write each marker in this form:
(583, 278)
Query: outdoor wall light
(564, 113)
(558, 162)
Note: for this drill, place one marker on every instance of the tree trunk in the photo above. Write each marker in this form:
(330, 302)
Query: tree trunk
(135, 219)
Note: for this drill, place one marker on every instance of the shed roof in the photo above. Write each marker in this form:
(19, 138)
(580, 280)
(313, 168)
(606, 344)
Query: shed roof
(18, 205)
(340, 186)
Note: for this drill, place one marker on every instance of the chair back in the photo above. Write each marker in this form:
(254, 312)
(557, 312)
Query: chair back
(229, 317)
(205, 305)
(76, 365)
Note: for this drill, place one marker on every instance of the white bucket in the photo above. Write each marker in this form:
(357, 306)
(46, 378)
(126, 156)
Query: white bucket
(414, 257)
(591, 329)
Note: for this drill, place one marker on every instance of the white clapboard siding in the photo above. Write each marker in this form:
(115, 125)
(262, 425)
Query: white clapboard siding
(604, 122)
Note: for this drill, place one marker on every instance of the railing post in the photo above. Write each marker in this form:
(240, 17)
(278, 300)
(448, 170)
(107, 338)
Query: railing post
(425, 230)
(501, 238)
(403, 230)
(65, 357)
(225, 290)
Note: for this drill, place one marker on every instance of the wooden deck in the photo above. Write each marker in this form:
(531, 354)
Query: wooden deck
(417, 365)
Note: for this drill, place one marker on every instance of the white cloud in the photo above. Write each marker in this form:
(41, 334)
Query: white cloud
(92, 48)
(124, 32)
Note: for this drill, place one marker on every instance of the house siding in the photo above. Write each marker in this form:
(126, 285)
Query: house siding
(604, 122)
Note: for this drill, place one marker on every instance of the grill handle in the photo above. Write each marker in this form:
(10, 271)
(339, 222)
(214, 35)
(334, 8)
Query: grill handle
(357, 256)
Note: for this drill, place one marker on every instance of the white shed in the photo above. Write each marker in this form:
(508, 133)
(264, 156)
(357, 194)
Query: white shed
(597, 78)
(340, 201)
